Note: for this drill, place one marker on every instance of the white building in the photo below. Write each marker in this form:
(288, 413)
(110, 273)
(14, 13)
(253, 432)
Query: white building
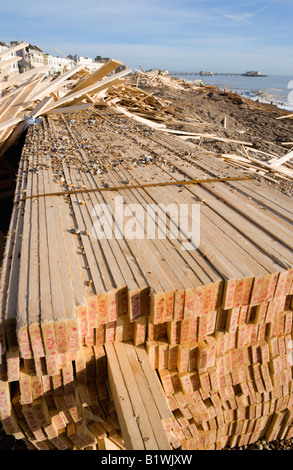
(3, 46)
(32, 57)
(14, 67)
(60, 64)
(87, 62)
(57, 64)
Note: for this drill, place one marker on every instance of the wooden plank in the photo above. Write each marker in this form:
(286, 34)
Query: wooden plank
(240, 225)
(169, 256)
(19, 129)
(50, 265)
(224, 230)
(14, 104)
(285, 116)
(138, 406)
(8, 261)
(277, 162)
(148, 399)
(174, 200)
(55, 84)
(151, 259)
(33, 304)
(7, 63)
(92, 89)
(10, 123)
(18, 79)
(11, 301)
(147, 122)
(22, 298)
(127, 419)
(74, 339)
(206, 136)
(107, 444)
(154, 383)
(69, 109)
(13, 49)
(93, 78)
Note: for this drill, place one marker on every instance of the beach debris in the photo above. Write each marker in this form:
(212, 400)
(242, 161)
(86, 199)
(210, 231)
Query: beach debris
(26, 97)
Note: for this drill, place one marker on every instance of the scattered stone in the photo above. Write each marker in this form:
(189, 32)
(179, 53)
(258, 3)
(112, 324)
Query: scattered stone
(75, 231)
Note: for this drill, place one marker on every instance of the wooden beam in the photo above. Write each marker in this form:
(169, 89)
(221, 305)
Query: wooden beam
(55, 84)
(92, 89)
(11, 122)
(147, 122)
(206, 136)
(127, 419)
(277, 162)
(147, 396)
(8, 62)
(17, 79)
(69, 109)
(96, 76)
(285, 116)
(144, 424)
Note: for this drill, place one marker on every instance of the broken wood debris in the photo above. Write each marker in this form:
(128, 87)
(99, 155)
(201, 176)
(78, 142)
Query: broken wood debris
(23, 94)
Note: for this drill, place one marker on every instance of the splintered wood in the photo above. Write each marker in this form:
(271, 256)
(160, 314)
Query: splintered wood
(213, 320)
(36, 92)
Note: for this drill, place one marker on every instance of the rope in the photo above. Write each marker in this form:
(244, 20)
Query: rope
(135, 186)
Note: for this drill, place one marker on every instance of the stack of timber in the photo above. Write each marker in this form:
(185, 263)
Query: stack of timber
(215, 320)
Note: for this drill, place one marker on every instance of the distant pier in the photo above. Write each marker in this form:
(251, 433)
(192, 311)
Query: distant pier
(207, 74)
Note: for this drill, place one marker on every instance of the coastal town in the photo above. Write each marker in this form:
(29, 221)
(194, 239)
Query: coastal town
(32, 56)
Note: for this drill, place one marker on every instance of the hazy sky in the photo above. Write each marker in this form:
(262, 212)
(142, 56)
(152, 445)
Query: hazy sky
(177, 35)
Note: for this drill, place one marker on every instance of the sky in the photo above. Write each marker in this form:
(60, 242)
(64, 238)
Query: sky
(174, 35)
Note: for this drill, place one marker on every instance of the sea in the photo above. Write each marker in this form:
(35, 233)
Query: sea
(275, 89)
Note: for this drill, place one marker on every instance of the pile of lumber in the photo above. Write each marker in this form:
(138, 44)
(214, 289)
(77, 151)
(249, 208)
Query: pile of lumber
(160, 114)
(26, 96)
(215, 320)
(68, 410)
(154, 78)
(252, 161)
(139, 103)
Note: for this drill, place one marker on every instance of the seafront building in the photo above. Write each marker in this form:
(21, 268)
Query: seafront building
(32, 56)
(3, 47)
